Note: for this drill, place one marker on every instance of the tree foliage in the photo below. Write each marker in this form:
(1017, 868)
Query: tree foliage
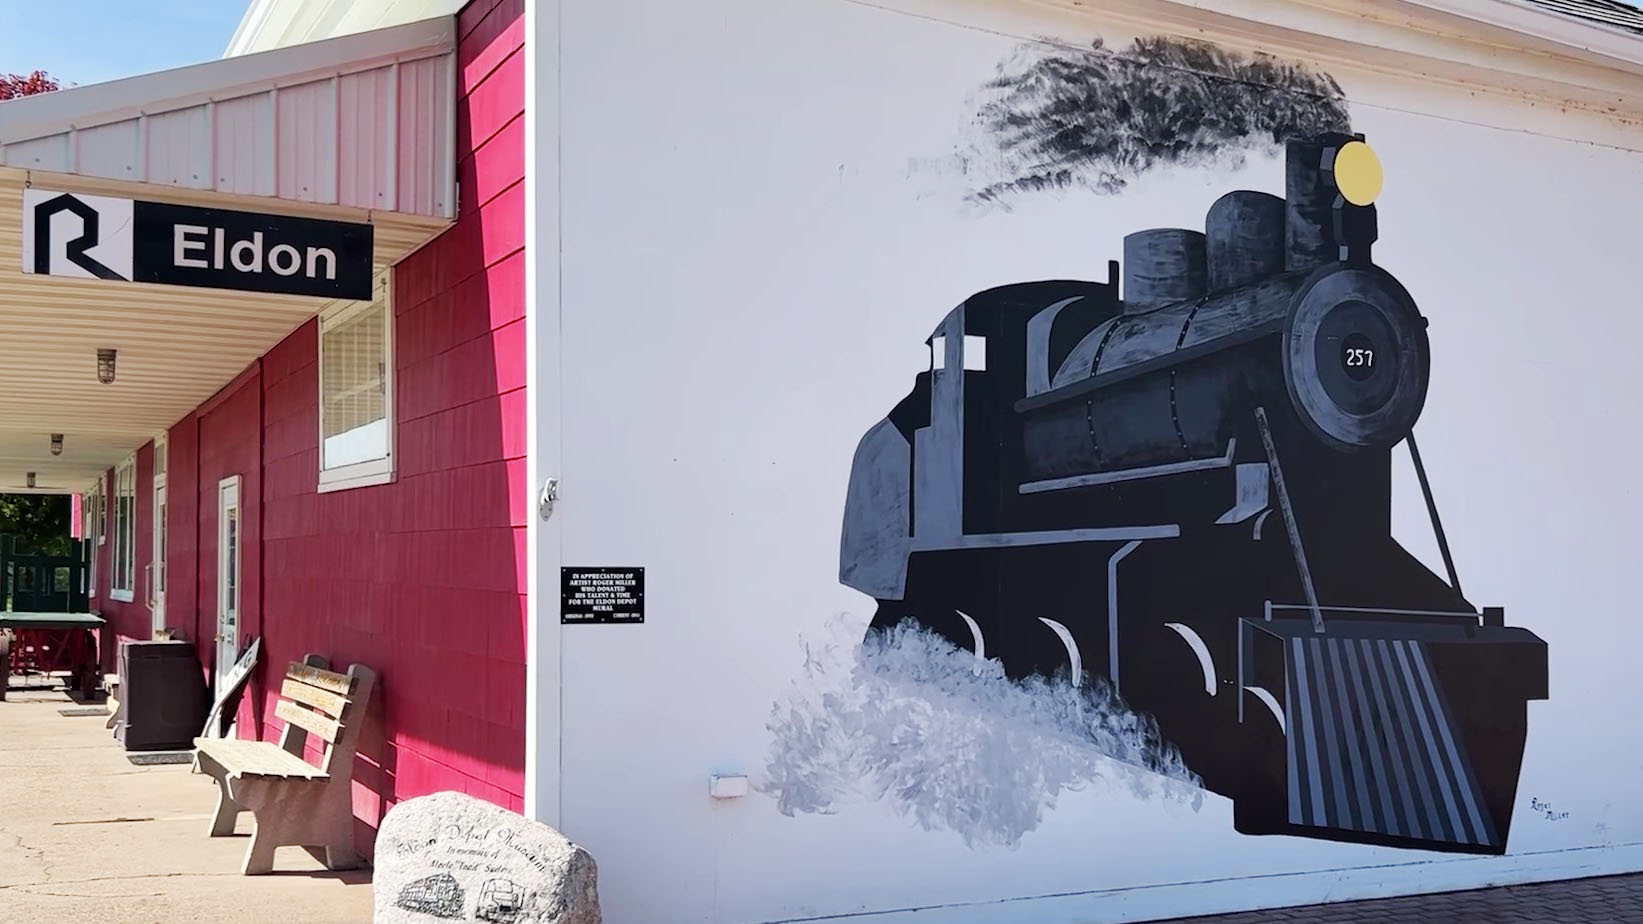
(15, 85)
(40, 522)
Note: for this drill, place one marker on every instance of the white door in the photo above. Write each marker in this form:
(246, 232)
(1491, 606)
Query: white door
(156, 577)
(228, 576)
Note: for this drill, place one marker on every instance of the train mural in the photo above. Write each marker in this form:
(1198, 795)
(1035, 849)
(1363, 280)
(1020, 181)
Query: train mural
(1177, 482)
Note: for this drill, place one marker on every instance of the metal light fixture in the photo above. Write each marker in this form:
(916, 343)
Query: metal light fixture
(105, 365)
(31, 479)
(57, 444)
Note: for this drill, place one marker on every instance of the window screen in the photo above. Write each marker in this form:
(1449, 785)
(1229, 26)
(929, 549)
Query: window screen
(354, 383)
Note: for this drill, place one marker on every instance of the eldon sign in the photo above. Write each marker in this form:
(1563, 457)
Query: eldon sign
(99, 237)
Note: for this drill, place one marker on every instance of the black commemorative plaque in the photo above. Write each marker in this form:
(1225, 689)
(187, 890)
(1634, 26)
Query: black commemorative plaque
(601, 595)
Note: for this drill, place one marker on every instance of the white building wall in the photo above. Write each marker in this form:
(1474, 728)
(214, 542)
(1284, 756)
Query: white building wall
(764, 216)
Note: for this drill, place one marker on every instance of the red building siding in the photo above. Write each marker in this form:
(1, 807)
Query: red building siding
(229, 444)
(422, 579)
(125, 620)
(182, 530)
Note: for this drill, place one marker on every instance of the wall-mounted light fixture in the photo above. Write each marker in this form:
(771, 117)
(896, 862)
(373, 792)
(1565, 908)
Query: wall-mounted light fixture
(105, 365)
(31, 479)
(57, 444)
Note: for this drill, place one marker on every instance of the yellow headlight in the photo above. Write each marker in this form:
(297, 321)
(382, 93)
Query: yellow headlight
(1358, 173)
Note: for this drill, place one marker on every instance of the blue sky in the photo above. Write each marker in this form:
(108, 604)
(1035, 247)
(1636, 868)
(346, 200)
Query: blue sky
(89, 41)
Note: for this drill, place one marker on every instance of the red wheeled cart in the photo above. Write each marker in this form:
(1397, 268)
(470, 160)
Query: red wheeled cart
(50, 643)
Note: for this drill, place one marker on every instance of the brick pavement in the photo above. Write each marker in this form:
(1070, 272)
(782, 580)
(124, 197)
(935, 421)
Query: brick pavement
(1602, 900)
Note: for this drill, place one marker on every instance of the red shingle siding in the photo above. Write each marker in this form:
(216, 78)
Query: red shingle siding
(230, 440)
(126, 620)
(422, 579)
(182, 528)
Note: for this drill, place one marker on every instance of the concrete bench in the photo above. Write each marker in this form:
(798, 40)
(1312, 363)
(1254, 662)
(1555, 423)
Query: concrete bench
(295, 803)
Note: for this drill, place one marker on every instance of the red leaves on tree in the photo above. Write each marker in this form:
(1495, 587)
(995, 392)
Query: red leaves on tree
(15, 85)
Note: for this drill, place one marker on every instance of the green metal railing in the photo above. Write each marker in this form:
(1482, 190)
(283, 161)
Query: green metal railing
(43, 583)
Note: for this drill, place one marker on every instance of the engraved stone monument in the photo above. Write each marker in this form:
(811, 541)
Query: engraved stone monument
(452, 857)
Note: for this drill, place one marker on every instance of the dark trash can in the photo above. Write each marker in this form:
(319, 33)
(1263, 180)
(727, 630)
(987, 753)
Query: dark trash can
(163, 696)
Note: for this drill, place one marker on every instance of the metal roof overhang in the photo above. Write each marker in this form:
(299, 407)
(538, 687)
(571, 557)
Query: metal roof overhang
(359, 128)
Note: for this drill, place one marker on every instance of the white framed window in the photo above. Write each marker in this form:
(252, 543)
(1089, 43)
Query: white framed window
(91, 514)
(99, 510)
(123, 574)
(157, 562)
(356, 391)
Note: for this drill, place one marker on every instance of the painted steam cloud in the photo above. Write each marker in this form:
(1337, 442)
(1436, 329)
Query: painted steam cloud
(906, 719)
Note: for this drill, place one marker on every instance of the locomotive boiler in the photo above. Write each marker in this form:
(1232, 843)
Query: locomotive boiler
(1177, 482)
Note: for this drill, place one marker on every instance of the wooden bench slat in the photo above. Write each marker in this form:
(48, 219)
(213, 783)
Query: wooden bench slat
(256, 758)
(324, 700)
(307, 719)
(314, 677)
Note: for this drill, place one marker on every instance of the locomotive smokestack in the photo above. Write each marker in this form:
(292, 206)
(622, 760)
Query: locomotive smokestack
(1308, 229)
(1310, 237)
(1244, 233)
(1163, 266)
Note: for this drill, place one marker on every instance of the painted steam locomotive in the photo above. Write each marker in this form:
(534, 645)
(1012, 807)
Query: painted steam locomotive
(1187, 491)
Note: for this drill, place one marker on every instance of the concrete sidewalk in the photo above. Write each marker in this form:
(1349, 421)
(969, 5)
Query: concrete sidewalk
(86, 836)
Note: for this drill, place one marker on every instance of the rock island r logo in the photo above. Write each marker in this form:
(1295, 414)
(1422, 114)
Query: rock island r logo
(73, 235)
(126, 240)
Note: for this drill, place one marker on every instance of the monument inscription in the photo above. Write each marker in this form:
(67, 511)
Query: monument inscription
(452, 857)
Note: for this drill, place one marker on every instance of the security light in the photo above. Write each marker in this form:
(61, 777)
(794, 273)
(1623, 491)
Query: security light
(31, 479)
(57, 444)
(105, 366)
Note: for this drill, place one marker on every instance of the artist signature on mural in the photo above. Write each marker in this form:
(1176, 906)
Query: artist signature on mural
(1545, 808)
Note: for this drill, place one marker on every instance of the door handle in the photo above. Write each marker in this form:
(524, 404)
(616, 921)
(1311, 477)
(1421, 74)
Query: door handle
(548, 497)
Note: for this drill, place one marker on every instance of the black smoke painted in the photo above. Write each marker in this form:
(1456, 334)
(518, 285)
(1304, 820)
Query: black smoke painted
(1099, 118)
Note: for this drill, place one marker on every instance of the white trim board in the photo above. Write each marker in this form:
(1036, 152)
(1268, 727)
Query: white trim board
(1464, 44)
(543, 797)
